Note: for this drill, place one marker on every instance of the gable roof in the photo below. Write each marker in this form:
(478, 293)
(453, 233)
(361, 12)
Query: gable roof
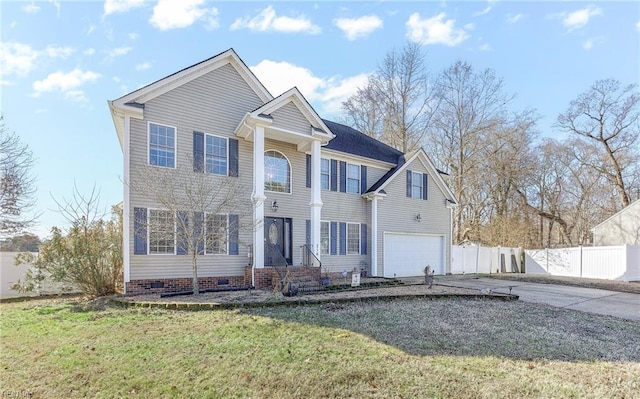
(403, 162)
(354, 142)
(632, 205)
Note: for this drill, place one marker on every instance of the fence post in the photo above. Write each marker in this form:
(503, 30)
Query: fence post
(546, 253)
(580, 261)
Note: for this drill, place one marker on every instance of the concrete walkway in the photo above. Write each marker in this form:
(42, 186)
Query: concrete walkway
(590, 300)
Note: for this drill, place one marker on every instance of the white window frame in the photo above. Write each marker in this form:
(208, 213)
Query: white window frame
(150, 225)
(175, 145)
(328, 224)
(349, 165)
(359, 237)
(206, 236)
(290, 172)
(328, 174)
(226, 139)
(420, 185)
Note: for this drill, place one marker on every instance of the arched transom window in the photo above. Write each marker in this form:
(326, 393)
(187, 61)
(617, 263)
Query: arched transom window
(277, 172)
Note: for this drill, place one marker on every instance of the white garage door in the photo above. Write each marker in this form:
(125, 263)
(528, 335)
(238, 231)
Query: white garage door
(407, 255)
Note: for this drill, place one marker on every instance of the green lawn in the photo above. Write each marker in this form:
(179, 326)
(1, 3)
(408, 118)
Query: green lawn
(403, 349)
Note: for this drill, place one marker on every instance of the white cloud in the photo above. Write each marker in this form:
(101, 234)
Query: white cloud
(114, 6)
(587, 44)
(512, 19)
(327, 94)
(133, 36)
(76, 95)
(356, 28)
(30, 8)
(20, 59)
(89, 51)
(435, 30)
(268, 21)
(143, 66)
(118, 52)
(485, 47)
(66, 83)
(638, 25)
(580, 18)
(58, 52)
(590, 43)
(170, 14)
(90, 29)
(56, 4)
(483, 12)
(17, 59)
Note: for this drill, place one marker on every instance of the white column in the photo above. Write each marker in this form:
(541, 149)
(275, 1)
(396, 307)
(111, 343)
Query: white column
(126, 219)
(316, 200)
(258, 197)
(374, 236)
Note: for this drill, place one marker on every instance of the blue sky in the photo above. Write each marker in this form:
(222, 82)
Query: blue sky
(61, 61)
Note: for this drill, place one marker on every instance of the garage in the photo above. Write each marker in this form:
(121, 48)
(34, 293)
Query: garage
(406, 255)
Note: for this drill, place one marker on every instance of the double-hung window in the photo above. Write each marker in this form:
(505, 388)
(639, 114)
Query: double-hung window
(162, 232)
(417, 186)
(353, 238)
(325, 173)
(162, 145)
(353, 178)
(216, 229)
(216, 155)
(325, 238)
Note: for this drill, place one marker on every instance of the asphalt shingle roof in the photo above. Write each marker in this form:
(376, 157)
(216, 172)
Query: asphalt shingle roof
(354, 142)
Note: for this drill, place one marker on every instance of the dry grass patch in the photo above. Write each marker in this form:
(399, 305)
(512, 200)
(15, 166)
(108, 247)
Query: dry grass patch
(442, 348)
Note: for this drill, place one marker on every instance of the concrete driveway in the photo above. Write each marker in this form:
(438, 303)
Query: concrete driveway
(590, 300)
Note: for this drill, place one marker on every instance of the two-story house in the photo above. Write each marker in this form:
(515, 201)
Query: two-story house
(313, 185)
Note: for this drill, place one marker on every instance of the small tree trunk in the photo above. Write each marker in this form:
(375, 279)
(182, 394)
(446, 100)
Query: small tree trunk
(196, 287)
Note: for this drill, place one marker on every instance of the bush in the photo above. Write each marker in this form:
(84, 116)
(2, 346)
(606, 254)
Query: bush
(88, 257)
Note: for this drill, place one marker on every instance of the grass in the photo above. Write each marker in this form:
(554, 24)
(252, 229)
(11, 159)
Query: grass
(401, 349)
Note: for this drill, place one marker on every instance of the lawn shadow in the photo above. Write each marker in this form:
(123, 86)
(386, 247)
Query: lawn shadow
(476, 327)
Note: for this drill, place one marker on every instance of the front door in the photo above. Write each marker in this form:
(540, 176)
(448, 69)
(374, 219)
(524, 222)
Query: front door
(277, 241)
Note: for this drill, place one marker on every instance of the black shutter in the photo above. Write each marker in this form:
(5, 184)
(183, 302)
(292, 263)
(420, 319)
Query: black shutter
(198, 229)
(233, 235)
(334, 175)
(363, 239)
(140, 231)
(308, 170)
(343, 238)
(334, 238)
(308, 232)
(343, 177)
(233, 157)
(425, 182)
(182, 223)
(408, 183)
(363, 179)
(198, 152)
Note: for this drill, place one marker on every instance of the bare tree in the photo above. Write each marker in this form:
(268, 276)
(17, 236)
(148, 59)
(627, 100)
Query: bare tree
(608, 115)
(472, 105)
(398, 102)
(194, 210)
(17, 184)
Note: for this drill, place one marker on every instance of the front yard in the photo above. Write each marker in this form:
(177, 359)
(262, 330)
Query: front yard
(405, 348)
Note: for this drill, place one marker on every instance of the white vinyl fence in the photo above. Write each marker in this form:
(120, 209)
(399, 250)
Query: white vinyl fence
(609, 263)
(10, 274)
(477, 259)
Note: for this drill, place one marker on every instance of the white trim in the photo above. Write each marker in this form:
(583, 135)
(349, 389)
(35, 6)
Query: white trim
(290, 172)
(374, 236)
(343, 156)
(205, 234)
(431, 170)
(175, 145)
(359, 238)
(205, 153)
(175, 241)
(126, 206)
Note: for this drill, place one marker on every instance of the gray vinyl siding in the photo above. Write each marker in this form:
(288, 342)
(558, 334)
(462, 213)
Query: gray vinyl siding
(294, 205)
(396, 213)
(204, 105)
(289, 117)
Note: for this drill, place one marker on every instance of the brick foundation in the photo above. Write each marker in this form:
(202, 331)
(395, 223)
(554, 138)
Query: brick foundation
(162, 285)
(265, 278)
